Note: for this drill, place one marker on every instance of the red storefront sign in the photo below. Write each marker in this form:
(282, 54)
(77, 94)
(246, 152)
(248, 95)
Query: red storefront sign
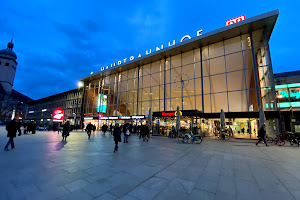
(235, 20)
(168, 114)
(58, 115)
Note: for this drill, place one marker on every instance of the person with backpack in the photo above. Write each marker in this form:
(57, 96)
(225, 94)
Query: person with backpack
(11, 128)
(117, 137)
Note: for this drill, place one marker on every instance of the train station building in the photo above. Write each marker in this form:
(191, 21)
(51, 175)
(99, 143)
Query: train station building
(228, 68)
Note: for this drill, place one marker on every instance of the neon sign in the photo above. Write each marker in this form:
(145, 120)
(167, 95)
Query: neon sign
(58, 115)
(284, 94)
(235, 20)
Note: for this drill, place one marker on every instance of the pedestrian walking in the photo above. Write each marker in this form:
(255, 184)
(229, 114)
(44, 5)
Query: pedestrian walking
(130, 128)
(94, 128)
(126, 133)
(117, 137)
(11, 128)
(111, 129)
(104, 128)
(19, 128)
(66, 130)
(33, 127)
(89, 129)
(140, 130)
(262, 135)
(134, 128)
(146, 133)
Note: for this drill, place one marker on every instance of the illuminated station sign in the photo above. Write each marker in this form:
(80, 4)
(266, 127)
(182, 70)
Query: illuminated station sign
(235, 20)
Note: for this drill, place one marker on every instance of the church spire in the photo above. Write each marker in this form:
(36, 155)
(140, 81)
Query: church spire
(10, 45)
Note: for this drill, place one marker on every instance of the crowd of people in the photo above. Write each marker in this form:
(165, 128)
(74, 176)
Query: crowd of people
(13, 127)
(117, 130)
(143, 130)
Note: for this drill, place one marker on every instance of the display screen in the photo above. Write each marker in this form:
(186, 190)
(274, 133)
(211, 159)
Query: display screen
(102, 103)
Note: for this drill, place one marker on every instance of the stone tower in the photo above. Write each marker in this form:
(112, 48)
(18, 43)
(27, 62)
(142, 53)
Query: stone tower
(8, 66)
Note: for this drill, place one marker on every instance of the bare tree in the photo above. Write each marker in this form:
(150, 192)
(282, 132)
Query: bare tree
(7, 105)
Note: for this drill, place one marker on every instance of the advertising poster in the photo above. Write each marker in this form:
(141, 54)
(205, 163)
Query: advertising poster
(102, 103)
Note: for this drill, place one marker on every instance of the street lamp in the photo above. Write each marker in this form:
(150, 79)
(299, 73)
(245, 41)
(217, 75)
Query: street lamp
(80, 85)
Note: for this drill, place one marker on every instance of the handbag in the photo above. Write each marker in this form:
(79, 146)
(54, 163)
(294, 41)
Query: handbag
(127, 132)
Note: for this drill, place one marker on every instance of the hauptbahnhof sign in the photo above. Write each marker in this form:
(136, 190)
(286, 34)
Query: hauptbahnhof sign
(147, 52)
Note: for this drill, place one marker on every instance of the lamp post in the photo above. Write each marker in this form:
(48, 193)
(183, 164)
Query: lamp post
(292, 118)
(80, 85)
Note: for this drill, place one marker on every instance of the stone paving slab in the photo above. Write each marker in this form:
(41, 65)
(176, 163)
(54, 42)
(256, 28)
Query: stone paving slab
(43, 167)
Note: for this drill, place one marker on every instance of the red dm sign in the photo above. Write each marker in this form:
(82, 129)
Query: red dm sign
(58, 115)
(168, 114)
(235, 20)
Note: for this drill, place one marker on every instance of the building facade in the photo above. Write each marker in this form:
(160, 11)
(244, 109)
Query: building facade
(42, 110)
(229, 68)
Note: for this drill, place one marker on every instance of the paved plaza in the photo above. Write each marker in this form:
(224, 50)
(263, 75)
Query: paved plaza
(43, 167)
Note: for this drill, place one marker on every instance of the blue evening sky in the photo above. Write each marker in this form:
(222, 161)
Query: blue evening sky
(58, 42)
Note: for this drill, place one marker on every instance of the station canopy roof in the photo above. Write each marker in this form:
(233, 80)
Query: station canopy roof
(264, 21)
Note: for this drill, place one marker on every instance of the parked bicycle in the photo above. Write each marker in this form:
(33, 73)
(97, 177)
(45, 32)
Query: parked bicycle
(280, 139)
(269, 139)
(294, 138)
(189, 136)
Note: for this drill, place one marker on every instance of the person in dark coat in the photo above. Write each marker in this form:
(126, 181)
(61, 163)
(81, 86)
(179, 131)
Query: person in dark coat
(89, 129)
(146, 132)
(125, 128)
(104, 128)
(134, 129)
(262, 135)
(111, 129)
(66, 130)
(33, 127)
(19, 124)
(117, 136)
(11, 128)
(94, 128)
(130, 128)
(140, 130)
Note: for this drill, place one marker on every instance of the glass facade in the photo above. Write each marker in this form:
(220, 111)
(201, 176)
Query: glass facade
(233, 75)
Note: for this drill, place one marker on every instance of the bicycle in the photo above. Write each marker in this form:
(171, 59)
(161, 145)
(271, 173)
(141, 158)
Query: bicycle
(269, 139)
(189, 136)
(224, 135)
(294, 138)
(280, 139)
